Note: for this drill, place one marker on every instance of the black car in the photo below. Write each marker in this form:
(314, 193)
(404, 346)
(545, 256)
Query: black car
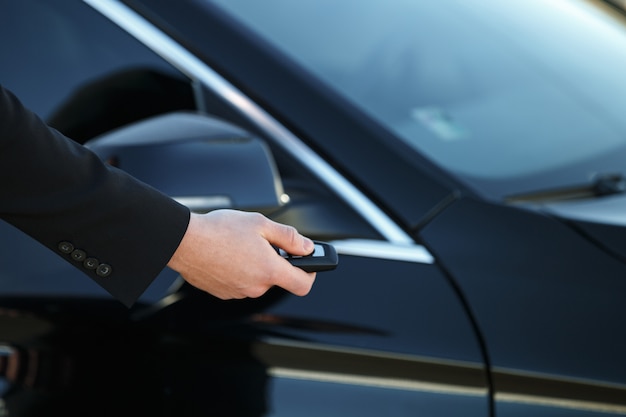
(465, 158)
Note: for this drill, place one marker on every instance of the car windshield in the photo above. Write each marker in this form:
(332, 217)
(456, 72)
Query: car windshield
(510, 96)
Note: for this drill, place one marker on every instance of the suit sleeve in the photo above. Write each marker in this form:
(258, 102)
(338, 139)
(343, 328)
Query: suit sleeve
(116, 229)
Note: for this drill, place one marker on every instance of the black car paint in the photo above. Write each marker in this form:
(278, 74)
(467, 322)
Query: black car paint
(278, 353)
(537, 275)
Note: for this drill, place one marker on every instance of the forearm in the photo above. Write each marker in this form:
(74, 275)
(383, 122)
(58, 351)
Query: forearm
(58, 191)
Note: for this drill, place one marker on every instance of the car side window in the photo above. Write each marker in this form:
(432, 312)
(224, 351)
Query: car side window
(80, 73)
(84, 76)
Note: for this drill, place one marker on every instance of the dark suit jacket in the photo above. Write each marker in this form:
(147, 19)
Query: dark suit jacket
(117, 230)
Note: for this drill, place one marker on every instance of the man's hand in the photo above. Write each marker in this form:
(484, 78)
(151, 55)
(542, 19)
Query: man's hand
(229, 254)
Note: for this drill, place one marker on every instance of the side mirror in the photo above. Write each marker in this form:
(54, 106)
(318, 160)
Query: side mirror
(202, 162)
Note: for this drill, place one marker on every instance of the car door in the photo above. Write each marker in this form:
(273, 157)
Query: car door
(376, 336)
(385, 333)
(380, 324)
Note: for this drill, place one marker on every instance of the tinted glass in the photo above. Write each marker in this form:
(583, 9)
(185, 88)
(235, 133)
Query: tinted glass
(510, 96)
(80, 72)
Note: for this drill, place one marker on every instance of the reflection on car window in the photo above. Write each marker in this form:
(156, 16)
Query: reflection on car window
(85, 76)
(80, 72)
(496, 92)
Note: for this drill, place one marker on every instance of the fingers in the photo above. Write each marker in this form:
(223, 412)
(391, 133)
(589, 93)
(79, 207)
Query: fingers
(285, 275)
(294, 280)
(287, 238)
(228, 254)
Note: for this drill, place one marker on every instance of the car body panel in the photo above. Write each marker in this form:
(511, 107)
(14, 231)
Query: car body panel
(602, 220)
(539, 311)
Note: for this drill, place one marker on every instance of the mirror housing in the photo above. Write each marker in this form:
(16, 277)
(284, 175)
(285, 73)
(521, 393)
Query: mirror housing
(203, 162)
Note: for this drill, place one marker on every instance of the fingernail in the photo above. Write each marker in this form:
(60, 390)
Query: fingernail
(308, 245)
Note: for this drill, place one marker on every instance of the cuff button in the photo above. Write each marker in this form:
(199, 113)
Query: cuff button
(78, 255)
(104, 270)
(91, 263)
(66, 247)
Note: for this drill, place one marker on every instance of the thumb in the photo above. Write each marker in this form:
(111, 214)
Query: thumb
(287, 238)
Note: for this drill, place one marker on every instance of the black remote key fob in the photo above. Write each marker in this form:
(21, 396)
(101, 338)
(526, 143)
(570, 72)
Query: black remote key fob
(323, 258)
